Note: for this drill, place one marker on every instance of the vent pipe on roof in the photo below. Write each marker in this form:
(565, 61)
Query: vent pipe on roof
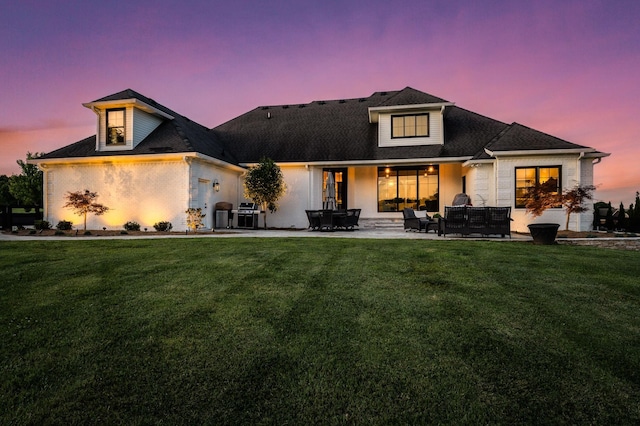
(268, 116)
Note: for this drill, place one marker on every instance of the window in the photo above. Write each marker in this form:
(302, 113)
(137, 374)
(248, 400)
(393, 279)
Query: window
(410, 126)
(115, 127)
(411, 187)
(527, 177)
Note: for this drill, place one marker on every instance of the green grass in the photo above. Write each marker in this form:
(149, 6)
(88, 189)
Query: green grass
(317, 331)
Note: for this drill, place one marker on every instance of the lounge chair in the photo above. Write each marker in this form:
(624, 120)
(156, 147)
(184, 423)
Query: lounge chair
(411, 221)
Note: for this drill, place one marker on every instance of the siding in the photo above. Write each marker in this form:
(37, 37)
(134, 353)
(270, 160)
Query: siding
(143, 125)
(505, 189)
(435, 131)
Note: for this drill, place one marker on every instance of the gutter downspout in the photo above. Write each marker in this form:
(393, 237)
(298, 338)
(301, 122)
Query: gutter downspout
(45, 192)
(579, 173)
(309, 186)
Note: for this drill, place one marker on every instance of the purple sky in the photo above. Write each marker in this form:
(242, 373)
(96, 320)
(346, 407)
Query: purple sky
(568, 68)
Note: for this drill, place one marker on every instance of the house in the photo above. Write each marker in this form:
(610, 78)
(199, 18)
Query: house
(387, 151)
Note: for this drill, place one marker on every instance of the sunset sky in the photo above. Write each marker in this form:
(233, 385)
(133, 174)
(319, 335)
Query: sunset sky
(568, 68)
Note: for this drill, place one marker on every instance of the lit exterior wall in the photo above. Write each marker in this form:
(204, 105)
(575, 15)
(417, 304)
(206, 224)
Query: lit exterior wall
(143, 192)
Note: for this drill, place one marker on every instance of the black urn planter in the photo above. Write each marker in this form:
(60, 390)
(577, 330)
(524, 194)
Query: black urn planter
(544, 233)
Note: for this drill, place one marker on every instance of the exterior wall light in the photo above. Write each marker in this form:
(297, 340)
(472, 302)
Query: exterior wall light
(216, 185)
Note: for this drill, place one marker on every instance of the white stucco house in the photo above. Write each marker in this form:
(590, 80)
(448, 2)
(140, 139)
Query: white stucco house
(387, 151)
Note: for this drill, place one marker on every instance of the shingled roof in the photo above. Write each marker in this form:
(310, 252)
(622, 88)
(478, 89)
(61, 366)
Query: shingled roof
(339, 130)
(323, 131)
(172, 136)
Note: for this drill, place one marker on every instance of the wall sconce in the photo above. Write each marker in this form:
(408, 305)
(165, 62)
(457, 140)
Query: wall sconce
(216, 185)
(386, 173)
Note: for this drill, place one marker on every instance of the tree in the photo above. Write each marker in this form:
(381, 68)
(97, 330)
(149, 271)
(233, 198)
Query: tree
(573, 200)
(609, 220)
(264, 184)
(632, 219)
(636, 213)
(6, 199)
(84, 202)
(622, 220)
(27, 186)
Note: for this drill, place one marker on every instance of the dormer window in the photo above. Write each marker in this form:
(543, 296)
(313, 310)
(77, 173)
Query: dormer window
(116, 127)
(409, 126)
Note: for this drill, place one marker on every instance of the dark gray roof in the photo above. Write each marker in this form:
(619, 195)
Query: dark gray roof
(518, 137)
(335, 130)
(172, 136)
(340, 130)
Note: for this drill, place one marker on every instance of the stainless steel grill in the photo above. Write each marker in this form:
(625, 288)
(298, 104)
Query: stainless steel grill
(247, 215)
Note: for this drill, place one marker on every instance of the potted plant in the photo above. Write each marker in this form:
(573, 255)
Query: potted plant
(540, 197)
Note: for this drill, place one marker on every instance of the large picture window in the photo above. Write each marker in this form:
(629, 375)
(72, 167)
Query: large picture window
(115, 127)
(528, 177)
(402, 187)
(410, 126)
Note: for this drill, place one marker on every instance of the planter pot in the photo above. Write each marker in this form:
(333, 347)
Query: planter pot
(543, 233)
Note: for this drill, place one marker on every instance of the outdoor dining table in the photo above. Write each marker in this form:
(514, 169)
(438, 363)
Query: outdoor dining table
(329, 220)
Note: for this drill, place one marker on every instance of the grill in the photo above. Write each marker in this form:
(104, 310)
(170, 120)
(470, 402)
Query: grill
(247, 215)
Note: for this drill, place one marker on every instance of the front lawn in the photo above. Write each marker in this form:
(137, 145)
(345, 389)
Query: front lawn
(317, 331)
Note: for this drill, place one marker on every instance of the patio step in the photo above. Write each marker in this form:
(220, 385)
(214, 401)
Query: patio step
(377, 223)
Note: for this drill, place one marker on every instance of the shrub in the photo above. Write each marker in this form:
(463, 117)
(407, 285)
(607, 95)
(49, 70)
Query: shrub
(87, 232)
(124, 233)
(163, 226)
(132, 226)
(32, 231)
(64, 225)
(59, 232)
(41, 225)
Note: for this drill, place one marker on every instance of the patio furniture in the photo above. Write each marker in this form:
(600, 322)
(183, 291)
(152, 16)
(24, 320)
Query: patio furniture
(314, 219)
(476, 220)
(461, 199)
(411, 221)
(326, 220)
(350, 220)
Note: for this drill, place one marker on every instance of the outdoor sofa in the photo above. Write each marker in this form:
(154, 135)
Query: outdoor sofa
(465, 220)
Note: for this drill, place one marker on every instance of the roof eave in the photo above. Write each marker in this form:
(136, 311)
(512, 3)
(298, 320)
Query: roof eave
(128, 102)
(374, 112)
(379, 162)
(527, 152)
(44, 163)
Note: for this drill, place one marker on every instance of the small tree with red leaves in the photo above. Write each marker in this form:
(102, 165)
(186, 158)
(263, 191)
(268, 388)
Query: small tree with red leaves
(573, 200)
(84, 202)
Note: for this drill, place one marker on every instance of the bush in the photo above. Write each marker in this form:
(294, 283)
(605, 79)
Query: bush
(163, 226)
(42, 225)
(132, 226)
(64, 225)
(59, 232)
(124, 233)
(87, 232)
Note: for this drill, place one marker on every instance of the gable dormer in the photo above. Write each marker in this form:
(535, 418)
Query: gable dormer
(409, 125)
(410, 118)
(125, 119)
